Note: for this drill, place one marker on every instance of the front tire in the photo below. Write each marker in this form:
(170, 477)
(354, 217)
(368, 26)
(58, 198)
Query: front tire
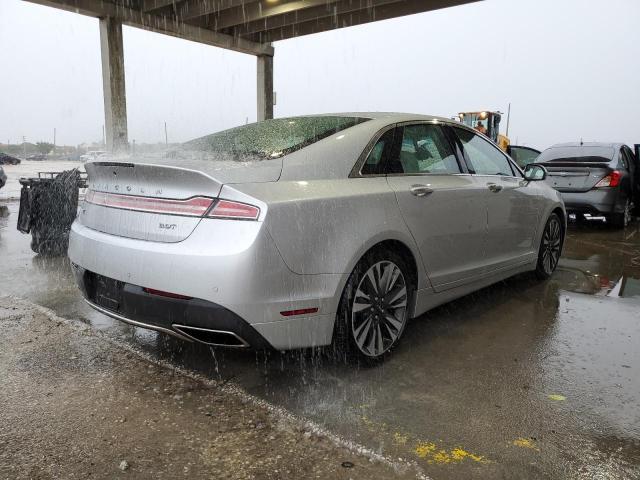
(550, 247)
(373, 310)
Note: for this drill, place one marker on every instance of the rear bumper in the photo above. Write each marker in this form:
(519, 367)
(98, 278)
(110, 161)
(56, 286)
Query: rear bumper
(188, 319)
(595, 202)
(233, 270)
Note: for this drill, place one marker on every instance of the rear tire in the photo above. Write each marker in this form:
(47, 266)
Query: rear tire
(621, 220)
(373, 310)
(550, 247)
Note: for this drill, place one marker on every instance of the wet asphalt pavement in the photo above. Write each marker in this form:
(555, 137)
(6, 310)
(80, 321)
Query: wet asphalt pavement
(520, 380)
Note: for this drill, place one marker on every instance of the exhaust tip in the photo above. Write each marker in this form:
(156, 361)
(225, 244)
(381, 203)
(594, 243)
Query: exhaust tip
(216, 338)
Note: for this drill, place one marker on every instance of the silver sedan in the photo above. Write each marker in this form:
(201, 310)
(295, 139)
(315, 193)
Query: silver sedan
(307, 231)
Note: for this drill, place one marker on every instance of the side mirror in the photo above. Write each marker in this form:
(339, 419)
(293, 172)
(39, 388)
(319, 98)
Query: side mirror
(534, 172)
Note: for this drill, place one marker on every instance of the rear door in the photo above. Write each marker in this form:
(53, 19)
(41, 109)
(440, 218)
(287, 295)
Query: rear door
(512, 208)
(630, 166)
(442, 205)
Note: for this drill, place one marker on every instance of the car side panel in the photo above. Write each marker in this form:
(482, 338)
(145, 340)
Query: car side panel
(325, 226)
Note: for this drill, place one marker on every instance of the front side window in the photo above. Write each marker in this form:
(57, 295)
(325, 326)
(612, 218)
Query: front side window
(483, 157)
(424, 149)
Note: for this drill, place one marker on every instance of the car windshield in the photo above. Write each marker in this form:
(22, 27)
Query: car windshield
(271, 138)
(577, 154)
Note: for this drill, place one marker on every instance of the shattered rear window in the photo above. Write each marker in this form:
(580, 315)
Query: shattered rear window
(271, 138)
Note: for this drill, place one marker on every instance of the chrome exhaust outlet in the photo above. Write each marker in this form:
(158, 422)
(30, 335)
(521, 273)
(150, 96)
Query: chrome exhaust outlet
(216, 338)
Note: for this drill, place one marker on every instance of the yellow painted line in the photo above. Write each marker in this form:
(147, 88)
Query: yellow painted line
(525, 443)
(439, 456)
(556, 397)
(429, 451)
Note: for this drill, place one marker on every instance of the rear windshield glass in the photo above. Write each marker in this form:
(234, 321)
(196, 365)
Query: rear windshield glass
(577, 154)
(271, 138)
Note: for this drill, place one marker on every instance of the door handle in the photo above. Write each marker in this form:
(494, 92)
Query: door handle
(420, 190)
(494, 187)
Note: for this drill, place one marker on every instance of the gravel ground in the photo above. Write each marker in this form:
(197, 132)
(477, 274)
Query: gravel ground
(77, 405)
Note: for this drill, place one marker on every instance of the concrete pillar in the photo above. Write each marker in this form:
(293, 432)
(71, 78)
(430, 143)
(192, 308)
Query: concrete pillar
(265, 87)
(115, 100)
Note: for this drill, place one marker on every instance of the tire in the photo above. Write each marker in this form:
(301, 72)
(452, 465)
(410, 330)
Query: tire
(621, 220)
(367, 332)
(550, 247)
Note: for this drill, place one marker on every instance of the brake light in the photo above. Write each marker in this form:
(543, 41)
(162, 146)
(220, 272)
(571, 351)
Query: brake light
(192, 207)
(234, 210)
(611, 180)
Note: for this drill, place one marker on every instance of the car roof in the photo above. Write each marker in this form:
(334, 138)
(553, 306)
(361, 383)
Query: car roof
(588, 144)
(390, 116)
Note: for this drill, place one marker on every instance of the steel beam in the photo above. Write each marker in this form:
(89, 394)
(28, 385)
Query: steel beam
(256, 11)
(324, 9)
(375, 13)
(193, 9)
(151, 5)
(159, 24)
(115, 99)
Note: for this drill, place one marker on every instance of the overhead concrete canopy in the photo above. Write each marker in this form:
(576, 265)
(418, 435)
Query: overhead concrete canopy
(247, 25)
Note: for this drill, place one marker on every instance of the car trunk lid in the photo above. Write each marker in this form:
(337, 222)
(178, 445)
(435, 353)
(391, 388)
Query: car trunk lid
(160, 202)
(575, 176)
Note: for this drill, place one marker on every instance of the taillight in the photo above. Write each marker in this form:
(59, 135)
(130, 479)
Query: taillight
(192, 207)
(611, 180)
(234, 210)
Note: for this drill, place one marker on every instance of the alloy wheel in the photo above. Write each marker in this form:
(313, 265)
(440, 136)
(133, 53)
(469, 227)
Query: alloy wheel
(379, 309)
(551, 245)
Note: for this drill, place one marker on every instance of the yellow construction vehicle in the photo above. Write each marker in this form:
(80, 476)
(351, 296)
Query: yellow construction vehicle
(487, 123)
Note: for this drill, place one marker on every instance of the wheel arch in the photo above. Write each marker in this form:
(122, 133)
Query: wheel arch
(401, 249)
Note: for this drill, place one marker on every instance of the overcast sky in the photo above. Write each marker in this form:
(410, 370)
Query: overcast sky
(569, 68)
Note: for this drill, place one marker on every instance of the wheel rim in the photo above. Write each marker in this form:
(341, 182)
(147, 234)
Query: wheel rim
(379, 309)
(551, 245)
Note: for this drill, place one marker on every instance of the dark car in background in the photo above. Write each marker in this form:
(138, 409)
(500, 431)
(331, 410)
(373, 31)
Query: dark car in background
(598, 179)
(8, 159)
(3, 178)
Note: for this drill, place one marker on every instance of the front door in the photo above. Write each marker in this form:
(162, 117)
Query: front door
(443, 206)
(512, 207)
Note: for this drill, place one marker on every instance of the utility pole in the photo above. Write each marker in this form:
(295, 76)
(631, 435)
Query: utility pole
(104, 142)
(24, 146)
(54, 138)
(166, 138)
(508, 118)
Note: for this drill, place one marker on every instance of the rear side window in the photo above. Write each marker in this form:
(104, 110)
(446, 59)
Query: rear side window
(375, 162)
(484, 158)
(523, 156)
(578, 154)
(271, 138)
(424, 149)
